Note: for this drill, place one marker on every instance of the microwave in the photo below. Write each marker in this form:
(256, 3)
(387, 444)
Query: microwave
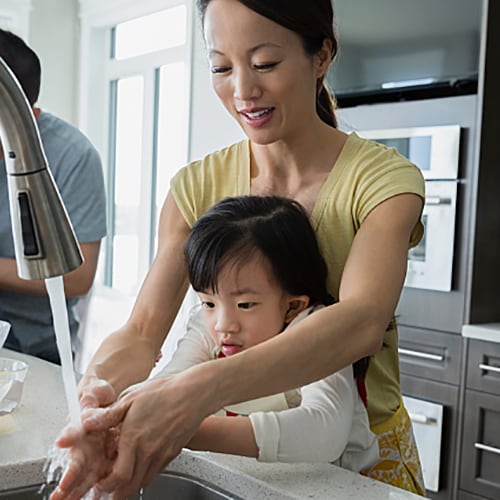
(435, 150)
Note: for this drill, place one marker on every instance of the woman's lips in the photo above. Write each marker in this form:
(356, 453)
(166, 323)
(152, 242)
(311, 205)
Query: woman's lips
(257, 117)
(230, 349)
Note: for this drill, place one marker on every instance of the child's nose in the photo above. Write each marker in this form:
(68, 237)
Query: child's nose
(226, 323)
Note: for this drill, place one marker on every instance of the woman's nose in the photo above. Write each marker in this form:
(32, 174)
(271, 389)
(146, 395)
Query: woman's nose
(245, 85)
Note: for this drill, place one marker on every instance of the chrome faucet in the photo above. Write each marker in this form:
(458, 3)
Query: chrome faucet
(44, 240)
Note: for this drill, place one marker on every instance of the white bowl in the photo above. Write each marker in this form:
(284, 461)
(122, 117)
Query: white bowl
(12, 375)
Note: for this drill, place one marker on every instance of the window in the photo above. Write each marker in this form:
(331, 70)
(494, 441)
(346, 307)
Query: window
(141, 81)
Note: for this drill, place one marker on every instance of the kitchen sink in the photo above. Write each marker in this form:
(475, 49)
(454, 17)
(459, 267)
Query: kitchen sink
(167, 485)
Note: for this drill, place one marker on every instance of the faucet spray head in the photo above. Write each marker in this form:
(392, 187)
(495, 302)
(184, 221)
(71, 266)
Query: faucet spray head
(44, 240)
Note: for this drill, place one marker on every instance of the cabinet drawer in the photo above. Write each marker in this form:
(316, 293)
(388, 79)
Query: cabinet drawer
(462, 495)
(483, 366)
(480, 458)
(430, 354)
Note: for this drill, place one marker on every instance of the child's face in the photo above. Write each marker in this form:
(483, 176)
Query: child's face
(249, 306)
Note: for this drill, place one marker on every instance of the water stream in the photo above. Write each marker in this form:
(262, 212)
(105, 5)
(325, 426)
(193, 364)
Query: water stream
(58, 459)
(55, 289)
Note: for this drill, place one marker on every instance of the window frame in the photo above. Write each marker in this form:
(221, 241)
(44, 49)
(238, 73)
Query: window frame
(97, 72)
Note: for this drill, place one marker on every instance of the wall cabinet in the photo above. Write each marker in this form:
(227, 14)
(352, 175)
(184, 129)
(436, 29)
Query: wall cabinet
(480, 454)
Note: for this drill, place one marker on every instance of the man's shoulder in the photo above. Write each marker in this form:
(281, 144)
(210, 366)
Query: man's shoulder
(56, 130)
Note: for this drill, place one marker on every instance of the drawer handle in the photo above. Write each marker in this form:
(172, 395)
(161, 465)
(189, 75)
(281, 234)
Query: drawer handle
(420, 418)
(489, 368)
(419, 354)
(437, 200)
(485, 447)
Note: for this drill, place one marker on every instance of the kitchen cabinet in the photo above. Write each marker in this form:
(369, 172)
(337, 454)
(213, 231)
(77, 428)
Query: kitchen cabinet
(430, 365)
(480, 454)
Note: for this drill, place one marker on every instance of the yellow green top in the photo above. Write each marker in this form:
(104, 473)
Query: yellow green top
(365, 174)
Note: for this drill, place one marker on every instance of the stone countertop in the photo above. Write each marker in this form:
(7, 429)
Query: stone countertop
(489, 332)
(28, 432)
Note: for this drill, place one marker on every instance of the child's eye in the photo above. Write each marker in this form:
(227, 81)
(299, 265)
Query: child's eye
(207, 304)
(246, 305)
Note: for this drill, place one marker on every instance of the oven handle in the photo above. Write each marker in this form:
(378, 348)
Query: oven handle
(419, 354)
(489, 368)
(437, 200)
(420, 418)
(485, 447)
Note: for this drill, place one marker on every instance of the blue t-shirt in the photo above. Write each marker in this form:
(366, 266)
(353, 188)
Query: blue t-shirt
(76, 167)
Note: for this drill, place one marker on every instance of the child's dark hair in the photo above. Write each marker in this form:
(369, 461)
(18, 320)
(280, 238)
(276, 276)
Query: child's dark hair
(236, 228)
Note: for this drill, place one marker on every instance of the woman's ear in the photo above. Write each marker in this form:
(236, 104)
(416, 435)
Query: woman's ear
(296, 305)
(323, 58)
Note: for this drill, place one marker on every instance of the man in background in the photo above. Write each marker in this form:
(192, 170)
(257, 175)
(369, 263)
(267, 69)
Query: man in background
(76, 167)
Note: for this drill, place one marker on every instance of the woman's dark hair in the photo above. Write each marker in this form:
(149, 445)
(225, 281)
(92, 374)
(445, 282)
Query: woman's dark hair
(313, 22)
(235, 229)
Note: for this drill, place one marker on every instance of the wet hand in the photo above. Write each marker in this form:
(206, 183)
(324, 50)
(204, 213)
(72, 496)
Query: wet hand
(90, 458)
(157, 421)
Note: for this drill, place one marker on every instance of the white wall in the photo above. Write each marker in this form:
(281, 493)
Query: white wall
(53, 35)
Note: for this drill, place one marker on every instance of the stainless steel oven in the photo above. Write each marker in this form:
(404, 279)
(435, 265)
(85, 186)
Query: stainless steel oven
(435, 150)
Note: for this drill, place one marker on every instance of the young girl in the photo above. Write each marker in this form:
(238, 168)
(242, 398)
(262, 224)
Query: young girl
(256, 266)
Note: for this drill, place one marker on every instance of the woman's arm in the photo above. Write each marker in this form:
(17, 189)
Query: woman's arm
(337, 335)
(128, 355)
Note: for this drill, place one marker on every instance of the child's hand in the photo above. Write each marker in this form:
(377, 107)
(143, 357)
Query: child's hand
(91, 456)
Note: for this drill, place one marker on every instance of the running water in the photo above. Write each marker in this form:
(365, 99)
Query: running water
(58, 459)
(55, 289)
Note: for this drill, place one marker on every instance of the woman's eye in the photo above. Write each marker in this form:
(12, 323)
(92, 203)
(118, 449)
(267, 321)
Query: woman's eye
(264, 67)
(218, 70)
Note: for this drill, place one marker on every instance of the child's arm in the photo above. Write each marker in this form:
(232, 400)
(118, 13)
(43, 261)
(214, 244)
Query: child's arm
(318, 430)
(233, 435)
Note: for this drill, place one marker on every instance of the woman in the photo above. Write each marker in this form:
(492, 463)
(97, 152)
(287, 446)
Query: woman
(268, 62)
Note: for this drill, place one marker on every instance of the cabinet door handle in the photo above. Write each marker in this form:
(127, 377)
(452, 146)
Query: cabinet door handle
(489, 368)
(485, 447)
(420, 418)
(420, 354)
(437, 200)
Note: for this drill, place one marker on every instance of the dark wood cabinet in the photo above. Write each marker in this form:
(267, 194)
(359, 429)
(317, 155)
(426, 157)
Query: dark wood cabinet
(430, 365)
(430, 354)
(480, 451)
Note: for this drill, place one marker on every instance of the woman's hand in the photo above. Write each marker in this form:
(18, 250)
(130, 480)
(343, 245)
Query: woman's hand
(157, 421)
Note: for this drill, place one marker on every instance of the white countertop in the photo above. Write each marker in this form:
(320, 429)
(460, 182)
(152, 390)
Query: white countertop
(489, 332)
(27, 433)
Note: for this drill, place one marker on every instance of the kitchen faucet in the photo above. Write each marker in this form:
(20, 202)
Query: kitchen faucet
(44, 240)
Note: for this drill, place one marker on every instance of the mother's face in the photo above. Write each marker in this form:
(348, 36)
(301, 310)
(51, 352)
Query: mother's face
(261, 72)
